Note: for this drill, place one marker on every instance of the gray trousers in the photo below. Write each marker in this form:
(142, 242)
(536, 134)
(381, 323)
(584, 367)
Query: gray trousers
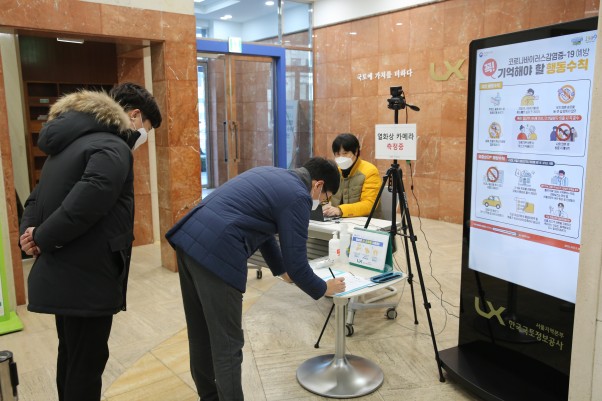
(214, 318)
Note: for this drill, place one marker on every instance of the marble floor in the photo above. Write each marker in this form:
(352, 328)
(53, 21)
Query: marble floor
(149, 350)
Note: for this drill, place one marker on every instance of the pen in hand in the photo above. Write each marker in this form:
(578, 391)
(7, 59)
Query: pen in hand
(336, 285)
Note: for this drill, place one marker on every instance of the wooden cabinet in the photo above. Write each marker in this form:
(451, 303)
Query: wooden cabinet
(39, 96)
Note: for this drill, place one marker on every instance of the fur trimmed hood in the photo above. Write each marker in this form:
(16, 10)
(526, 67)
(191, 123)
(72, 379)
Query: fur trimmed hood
(106, 110)
(80, 114)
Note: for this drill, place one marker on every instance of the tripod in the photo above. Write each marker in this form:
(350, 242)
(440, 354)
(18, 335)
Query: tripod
(395, 183)
(393, 177)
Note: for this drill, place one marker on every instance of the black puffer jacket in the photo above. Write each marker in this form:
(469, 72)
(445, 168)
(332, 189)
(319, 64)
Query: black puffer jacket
(83, 209)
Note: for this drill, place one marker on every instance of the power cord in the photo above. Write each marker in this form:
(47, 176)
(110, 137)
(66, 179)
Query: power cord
(430, 255)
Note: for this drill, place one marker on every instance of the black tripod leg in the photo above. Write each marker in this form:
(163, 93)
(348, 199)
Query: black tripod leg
(398, 192)
(427, 305)
(317, 344)
(410, 274)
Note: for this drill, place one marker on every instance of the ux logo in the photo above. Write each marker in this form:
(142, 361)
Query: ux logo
(450, 70)
(492, 312)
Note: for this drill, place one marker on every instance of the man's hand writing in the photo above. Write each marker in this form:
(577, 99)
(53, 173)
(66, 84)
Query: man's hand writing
(335, 285)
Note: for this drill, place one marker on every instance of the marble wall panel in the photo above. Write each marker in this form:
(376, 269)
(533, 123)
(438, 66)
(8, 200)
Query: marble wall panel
(176, 29)
(426, 192)
(158, 64)
(143, 228)
(453, 114)
(543, 12)
(338, 43)
(182, 125)
(320, 79)
(393, 33)
(173, 53)
(363, 76)
(333, 80)
(364, 33)
(451, 201)
(428, 156)
(130, 70)
(505, 16)
(184, 174)
(452, 158)
(168, 255)
(163, 176)
(426, 27)
(364, 115)
(332, 116)
(63, 16)
(462, 21)
(129, 22)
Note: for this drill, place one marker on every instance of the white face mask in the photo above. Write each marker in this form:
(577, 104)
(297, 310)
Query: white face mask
(141, 139)
(344, 162)
(315, 202)
(143, 135)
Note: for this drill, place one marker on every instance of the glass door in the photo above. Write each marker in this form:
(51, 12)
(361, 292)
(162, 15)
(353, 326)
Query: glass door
(238, 113)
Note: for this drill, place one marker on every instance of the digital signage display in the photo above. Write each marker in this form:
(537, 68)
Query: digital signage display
(531, 128)
(528, 125)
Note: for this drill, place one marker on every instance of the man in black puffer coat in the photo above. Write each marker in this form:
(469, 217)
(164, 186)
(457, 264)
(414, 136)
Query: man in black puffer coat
(78, 222)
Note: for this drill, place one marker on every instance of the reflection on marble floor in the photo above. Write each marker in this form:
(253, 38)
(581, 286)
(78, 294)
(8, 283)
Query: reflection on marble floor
(149, 349)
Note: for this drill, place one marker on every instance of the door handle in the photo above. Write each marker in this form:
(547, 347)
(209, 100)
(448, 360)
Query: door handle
(235, 132)
(225, 141)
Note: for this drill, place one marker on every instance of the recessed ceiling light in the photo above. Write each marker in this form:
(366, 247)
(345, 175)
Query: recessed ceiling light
(352, 33)
(226, 17)
(70, 40)
(399, 23)
(269, 3)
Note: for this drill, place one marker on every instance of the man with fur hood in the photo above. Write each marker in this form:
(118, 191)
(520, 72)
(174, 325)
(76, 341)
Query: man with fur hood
(78, 223)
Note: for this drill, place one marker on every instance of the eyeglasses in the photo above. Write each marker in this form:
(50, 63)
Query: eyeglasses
(327, 201)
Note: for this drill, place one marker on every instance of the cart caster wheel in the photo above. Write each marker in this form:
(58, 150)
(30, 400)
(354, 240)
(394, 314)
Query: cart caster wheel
(259, 274)
(350, 329)
(391, 313)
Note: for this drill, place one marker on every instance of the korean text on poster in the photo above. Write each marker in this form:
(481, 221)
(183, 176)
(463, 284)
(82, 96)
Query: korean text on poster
(395, 141)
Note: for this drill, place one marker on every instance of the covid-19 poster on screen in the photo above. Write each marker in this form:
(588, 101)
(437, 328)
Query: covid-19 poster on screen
(531, 129)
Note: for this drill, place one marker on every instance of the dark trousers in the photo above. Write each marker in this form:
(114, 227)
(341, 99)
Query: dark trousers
(82, 356)
(214, 318)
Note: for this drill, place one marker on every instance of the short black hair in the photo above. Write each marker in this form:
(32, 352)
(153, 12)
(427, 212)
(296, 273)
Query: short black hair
(348, 142)
(325, 170)
(131, 96)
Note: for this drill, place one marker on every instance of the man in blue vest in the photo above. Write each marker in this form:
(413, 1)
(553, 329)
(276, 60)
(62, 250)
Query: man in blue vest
(215, 239)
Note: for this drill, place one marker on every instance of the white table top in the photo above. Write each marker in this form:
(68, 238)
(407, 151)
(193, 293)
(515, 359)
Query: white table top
(359, 272)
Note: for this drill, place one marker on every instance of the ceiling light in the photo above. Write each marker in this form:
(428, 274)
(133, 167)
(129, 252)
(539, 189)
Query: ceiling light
(70, 40)
(352, 33)
(399, 23)
(199, 1)
(226, 17)
(269, 3)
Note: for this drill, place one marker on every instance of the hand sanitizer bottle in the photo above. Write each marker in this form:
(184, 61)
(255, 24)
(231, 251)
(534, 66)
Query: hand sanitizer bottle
(334, 248)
